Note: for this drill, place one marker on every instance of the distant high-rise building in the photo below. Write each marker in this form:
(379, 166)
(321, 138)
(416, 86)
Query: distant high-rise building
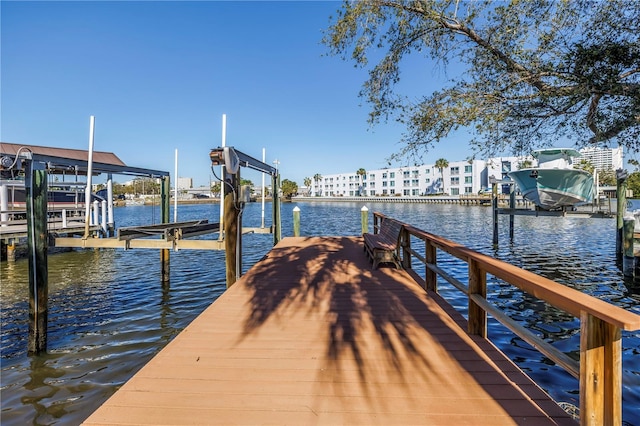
(185, 183)
(603, 158)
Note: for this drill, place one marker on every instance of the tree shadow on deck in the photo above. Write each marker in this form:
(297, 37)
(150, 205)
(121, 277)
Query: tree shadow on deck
(380, 325)
(334, 278)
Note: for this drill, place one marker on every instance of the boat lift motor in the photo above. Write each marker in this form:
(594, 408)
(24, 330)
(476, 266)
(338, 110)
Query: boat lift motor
(233, 159)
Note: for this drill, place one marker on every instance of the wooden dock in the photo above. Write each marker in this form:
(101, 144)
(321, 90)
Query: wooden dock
(312, 335)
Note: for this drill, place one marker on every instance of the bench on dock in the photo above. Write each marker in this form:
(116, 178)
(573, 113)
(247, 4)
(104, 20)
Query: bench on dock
(383, 246)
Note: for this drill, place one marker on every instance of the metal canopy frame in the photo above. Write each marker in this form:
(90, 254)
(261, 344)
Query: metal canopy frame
(58, 163)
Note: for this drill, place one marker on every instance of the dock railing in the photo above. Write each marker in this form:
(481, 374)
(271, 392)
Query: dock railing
(599, 369)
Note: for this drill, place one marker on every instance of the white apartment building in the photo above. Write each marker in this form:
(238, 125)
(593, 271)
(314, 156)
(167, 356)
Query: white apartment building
(604, 158)
(459, 178)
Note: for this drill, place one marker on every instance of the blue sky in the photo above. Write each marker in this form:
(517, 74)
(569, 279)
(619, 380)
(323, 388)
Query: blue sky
(158, 76)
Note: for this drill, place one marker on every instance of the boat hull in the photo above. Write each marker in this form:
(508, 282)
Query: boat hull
(554, 188)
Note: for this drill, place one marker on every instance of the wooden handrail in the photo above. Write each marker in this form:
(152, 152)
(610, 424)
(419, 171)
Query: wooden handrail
(600, 367)
(568, 299)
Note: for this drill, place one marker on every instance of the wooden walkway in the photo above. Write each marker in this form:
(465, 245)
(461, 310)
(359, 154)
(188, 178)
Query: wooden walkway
(311, 335)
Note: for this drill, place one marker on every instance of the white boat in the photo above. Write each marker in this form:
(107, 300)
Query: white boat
(555, 184)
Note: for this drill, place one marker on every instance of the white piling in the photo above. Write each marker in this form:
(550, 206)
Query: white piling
(103, 222)
(110, 218)
(263, 188)
(96, 213)
(87, 192)
(64, 218)
(224, 138)
(4, 203)
(175, 191)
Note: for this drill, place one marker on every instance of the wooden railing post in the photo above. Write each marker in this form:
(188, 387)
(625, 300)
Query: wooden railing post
(477, 285)
(600, 372)
(431, 278)
(405, 244)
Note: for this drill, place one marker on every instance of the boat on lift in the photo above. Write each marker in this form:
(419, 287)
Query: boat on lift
(555, 183)
(59, 194)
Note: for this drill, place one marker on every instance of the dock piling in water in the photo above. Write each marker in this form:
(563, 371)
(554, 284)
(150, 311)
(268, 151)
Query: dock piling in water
(364, 219)
(37, 244)
(512, 205)
(165, 261)
(628, 258)
(296, 221)
(494, 205)
(621, 206)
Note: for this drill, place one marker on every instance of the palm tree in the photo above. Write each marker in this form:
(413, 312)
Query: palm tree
(317, 178)
(525, 164)
(585, 165)
(307, 183)
(441, 164)
(361, 173)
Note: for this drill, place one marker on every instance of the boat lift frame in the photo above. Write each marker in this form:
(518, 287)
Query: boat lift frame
(36, 167)
(513, 211)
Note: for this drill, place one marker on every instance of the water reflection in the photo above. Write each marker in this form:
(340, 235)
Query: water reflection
(42, 392)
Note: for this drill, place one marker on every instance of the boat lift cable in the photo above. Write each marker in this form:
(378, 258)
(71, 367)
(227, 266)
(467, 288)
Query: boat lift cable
(233, 191)
(240, 209)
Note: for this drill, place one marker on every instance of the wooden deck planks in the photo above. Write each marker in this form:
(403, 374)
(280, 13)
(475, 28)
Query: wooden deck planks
(311, 335)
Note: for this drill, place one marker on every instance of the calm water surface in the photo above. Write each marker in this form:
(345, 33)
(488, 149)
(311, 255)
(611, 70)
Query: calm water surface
(109, 313)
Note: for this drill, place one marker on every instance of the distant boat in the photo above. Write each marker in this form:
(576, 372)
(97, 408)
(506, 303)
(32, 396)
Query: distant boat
(555, 184)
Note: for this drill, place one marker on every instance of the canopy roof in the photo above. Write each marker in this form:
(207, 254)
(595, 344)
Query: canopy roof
(59, 159)
(557, 151)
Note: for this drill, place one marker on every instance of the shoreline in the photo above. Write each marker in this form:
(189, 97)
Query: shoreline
(438, 199)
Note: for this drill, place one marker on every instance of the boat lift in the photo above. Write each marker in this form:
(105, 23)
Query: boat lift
(512, 211)
(174, 236)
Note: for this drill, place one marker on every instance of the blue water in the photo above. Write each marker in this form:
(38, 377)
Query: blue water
(109, 312)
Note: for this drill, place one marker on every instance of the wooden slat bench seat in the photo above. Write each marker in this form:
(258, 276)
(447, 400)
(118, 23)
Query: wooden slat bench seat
(383, 246)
